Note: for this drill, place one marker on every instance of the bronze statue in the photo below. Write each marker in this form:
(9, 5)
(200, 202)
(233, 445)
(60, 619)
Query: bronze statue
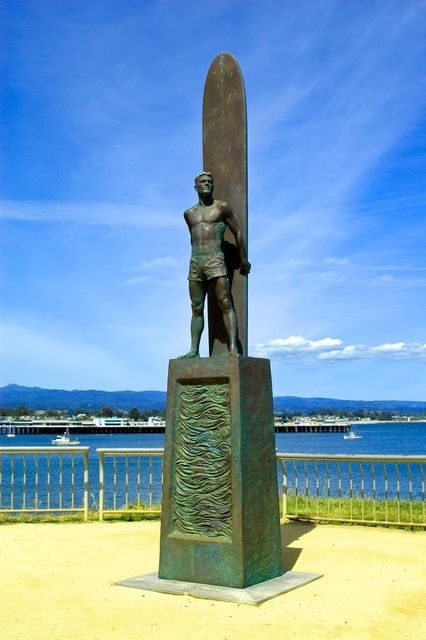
(220, 469)
(207, 221)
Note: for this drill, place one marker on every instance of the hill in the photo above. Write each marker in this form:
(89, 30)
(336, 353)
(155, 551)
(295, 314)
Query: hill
(14, 395)
(307, 405)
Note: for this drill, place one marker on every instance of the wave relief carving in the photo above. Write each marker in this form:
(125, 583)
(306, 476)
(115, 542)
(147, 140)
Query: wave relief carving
(202, 461)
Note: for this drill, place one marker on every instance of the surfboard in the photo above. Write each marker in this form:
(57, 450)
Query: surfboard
(225, 157)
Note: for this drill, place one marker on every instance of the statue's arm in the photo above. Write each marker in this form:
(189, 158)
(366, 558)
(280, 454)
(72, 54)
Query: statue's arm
(187, 220)
(232, 223)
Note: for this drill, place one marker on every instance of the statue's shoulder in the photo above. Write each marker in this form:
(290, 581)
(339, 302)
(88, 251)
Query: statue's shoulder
(190, 210)
(224, 207)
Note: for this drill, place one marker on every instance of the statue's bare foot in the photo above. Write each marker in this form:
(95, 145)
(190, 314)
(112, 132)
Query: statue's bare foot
(190, 354)
(233, 351)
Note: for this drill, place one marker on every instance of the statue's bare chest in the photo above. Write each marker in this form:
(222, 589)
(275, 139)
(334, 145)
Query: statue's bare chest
(205, 216)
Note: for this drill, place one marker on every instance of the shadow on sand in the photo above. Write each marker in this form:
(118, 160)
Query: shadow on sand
(291, 531)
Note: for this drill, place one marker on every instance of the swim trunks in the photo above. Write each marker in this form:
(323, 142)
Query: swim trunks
(205, 266)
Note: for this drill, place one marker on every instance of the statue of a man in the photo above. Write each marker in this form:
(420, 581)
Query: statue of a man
(207, 221)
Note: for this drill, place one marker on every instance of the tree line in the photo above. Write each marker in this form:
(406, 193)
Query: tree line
(134, 414)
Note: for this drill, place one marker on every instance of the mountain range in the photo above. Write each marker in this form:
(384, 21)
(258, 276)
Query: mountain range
(13, 395)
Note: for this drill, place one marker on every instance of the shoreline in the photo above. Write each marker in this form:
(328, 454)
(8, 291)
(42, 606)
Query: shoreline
(388, 422)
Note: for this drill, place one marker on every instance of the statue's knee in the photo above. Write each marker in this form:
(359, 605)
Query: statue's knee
(225, 304)
(197, 309)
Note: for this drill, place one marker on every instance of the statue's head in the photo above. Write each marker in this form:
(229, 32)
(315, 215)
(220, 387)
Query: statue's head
(204, 182)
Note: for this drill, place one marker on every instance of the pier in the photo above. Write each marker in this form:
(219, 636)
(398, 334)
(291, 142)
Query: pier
(313, 427)
(36, 427)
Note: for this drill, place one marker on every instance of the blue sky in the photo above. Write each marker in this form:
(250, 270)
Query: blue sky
(100, 139)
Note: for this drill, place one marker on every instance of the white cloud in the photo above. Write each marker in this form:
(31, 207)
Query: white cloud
(355, 108)
(28, 350)
(335, 95)
(394, 351)
(306, 350)
(153, 271)
(157, 263)
(348, 352)
(340, 262)
(389, 347)
(387, 279)
(294, 345)
(91, 213)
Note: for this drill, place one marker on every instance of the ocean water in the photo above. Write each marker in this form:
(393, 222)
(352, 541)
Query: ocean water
(377, 439)
(366, 479)
(388, 438)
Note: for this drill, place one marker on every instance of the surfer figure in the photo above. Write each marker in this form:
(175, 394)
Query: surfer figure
(207, 221)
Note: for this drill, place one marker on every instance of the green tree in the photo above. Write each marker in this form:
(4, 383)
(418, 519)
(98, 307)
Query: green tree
(81, 410)
(105, 412)
(134, 414)
(21, 410)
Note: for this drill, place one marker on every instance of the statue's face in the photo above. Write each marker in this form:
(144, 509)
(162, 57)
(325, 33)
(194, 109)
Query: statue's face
(204, 184)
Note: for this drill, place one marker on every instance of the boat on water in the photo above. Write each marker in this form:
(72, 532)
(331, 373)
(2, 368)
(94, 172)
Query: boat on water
(10, 435)
(352, 435)
(65, 440)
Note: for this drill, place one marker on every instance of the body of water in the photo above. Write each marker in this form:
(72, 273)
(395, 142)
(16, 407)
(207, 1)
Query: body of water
(377, 439)
(390, 438)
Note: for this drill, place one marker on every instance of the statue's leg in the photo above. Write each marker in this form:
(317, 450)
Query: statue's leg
(223, 296)
(197, 293)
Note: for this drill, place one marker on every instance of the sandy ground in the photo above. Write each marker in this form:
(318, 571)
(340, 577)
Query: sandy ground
(55, 584)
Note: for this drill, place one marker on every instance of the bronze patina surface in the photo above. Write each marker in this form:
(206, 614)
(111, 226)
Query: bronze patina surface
(225, 156)
(202, 459)
(220, 513)
(207, 221)
(220, 521)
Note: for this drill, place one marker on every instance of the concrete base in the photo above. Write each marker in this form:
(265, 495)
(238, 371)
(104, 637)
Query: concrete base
(253, 595)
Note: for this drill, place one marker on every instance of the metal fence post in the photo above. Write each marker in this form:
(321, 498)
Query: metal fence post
(285, 491)
(86, 487)
(283, 485)
(101, 485)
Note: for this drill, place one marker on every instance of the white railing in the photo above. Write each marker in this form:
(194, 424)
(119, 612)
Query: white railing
(59, 480)
(132, 486)
(363, 489)
(366, 489)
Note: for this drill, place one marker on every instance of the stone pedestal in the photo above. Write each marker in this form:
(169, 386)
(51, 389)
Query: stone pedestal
(220, 522)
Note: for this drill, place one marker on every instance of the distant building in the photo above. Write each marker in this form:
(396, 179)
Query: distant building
(111, 422)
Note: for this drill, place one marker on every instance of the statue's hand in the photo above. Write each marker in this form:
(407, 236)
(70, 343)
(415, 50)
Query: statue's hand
(245, 267)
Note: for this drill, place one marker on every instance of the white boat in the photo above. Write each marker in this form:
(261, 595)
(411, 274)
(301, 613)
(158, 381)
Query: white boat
(10, 435)
(65, 440)
(352, 435)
